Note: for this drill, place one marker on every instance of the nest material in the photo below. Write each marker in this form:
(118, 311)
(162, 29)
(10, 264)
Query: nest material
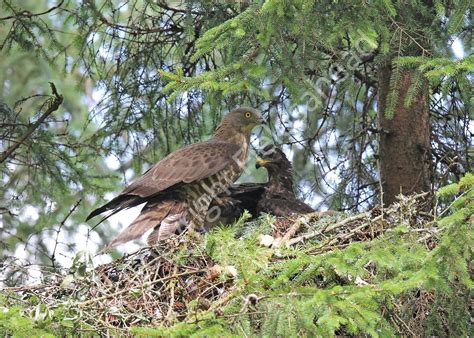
(161, 285)
(330, 233)
(151, 284)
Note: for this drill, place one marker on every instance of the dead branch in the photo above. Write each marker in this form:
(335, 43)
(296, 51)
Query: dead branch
(52, 107)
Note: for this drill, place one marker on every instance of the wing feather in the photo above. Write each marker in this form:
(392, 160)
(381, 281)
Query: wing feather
(150, 216)
(186, 165)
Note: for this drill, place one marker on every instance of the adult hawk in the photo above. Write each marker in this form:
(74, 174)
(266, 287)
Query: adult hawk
(178, 189)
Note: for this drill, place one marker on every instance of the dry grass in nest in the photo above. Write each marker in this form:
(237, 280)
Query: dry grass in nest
(153, 286)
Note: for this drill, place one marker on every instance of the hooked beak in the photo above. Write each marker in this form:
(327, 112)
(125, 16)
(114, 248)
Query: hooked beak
(261, 162)
(262, 120)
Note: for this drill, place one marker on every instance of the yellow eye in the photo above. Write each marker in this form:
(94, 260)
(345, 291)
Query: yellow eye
(248, 114)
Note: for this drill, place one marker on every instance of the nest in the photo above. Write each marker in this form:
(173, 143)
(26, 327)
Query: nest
(326, 234)
(149, 287)
(163, 285)
(153, 286)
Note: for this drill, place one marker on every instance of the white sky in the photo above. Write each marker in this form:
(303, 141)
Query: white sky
(457, 48)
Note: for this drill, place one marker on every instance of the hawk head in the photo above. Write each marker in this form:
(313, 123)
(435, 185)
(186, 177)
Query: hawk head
(273, 159)
(244, 119)
(280, 173)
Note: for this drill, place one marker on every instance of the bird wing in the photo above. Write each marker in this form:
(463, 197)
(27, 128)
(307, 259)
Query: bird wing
(283, 206)
(247, 196)
(189, 164)
(244, 189)
(154, 214)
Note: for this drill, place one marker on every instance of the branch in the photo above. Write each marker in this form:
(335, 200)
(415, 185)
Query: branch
(53, 106)
(318, 232)
(63, 222)
(28, 14)
(163, 5)
(133, 30)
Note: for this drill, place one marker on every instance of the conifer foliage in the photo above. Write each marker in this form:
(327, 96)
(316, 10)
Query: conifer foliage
(396, 273)
(137, 79)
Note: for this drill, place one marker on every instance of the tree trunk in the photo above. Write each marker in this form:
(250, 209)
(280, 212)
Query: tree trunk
(405, 148)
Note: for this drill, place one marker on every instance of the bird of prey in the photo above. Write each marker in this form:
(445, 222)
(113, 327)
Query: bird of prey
(275, 197)
(279, 197)
(228, 207)
(179, 188)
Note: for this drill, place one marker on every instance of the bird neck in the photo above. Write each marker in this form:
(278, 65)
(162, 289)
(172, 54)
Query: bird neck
(281, 181)
(226, 133)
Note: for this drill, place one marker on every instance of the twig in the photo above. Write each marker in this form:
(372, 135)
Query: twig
(402, 322)
(170, 313)
(293, 229)
(28, 14)
(163, 5)
(431, 233)
(28, 287)
(54, 105)
(118, 293)
(452, 203)
(329, 228)
(59, 230)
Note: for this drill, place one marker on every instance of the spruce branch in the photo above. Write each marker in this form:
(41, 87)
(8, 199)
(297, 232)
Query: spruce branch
(28, 14)
(53, 105)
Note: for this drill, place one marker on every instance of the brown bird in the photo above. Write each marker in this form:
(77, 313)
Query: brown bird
(178, 189)
(276, 197)
(279, 198)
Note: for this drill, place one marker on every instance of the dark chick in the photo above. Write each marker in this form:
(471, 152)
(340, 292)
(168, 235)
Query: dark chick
(279, 198)
(275, 197)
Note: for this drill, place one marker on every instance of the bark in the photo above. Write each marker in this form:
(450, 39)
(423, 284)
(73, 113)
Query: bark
(405, 148)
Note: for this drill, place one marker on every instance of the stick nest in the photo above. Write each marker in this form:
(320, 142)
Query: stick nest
(163, 285)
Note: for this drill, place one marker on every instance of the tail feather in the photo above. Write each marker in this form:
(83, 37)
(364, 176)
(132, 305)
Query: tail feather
(152, 214)
(117, 204)
(173, 224)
